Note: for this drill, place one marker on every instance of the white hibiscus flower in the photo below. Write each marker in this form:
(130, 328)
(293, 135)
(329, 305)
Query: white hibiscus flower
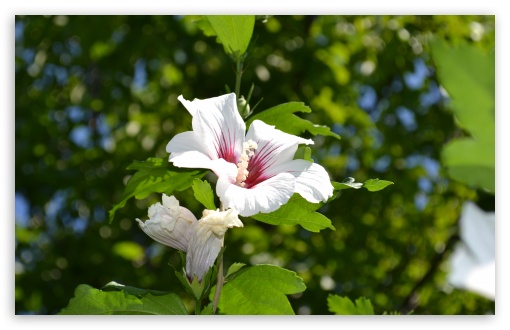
(256, 170)
(175, 226)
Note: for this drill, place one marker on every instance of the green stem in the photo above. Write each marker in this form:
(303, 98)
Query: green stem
(198, 306)
(239, 73)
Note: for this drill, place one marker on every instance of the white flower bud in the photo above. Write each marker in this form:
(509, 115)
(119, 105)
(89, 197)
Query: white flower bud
(169, 224)
(207, 241)
(243, 107)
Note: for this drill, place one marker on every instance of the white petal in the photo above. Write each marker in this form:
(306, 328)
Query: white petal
(207, 241)
(477, 230)
(222, 168)
(473, 265)
(312, 180)
(219, 221)
(273, 148)
(190, 106)
(467, 274)
(265, 197)
(186, 150)
(218, 126)
(169, 224)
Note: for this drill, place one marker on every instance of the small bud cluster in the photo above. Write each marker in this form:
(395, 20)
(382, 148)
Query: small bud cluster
(249, 148)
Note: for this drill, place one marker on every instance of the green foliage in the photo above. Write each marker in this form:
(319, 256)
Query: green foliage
(376, 184)
(117, 299)
(128, 250)
(259, 290)
(370, 185)
(234, 268)
(344, 306)
(297, 211)
(154, 175)
(468, 74)
(203, 193)
(233, 31)
(304, 152)
(283, 118)
(472, 162)
(198, 290)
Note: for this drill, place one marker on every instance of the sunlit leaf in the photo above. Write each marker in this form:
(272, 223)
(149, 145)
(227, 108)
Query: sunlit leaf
(297, 211)
(347, 183)
(344, 306)
(370, 184)
(376, 184)
(101, 49)
(235, 267)
(155, 175)
(304, 152)
(24, 235)
(118, 300)
(128, 250)
(259, 290)
(283, 118)
(203, 193)
(472, 162)
(233, 31)
(468, 75)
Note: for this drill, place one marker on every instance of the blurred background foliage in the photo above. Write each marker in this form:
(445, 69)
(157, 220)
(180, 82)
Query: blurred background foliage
(94, 93)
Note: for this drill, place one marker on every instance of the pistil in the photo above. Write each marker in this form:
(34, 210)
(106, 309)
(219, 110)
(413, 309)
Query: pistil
(249, 148)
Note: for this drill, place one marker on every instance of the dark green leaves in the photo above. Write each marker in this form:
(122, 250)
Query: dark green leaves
(297, 211)
(468, 75)
(203, 193)
(370, 185)
(116, 299)
(259, 290)
(344, 306)
(283, 118)
(155, 175)
(233, 31)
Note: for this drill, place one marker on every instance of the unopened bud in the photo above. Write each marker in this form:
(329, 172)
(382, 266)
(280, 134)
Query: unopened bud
(243, 107)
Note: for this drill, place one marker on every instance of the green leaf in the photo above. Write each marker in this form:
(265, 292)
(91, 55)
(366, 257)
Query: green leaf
(370, 185)
(376, 184)
(472, 162)
(203, 193)
(101, 49)
(468, 75)
(116, 299)
(233, 31)
(128, 250)
(259, 290)
(155, 175)
(347, 183)
(344, 306)
(283, 118)
(304, 152)
(297, 211)
(234, 268)
(114, 286)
